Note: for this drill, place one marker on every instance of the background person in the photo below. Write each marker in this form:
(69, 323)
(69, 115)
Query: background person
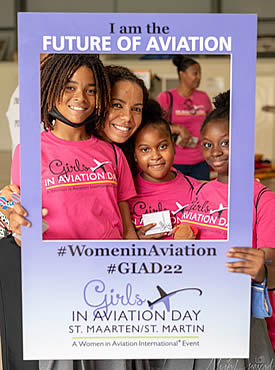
(186, 113)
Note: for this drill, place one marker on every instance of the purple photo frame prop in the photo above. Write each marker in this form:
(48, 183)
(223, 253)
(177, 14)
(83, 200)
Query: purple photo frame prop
(61, 306)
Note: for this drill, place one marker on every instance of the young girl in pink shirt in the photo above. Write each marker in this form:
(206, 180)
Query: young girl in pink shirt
(159, 186)
(207, 197)
(214, 196)
(85, 181)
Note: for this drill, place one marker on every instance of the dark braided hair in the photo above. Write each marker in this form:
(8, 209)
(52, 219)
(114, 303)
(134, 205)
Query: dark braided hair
(57, 69)
(182, 62)
(153, 116)
(222, 109)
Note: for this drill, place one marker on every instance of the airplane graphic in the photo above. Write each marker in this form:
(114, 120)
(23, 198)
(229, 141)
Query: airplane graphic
(219, 210)
(99, 165)
(180, 208)
(165, 297)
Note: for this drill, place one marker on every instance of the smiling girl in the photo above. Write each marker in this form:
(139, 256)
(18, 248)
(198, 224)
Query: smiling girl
(70, 118)
(207, 198)
(214, 195)
(86, 182)
(159, 186)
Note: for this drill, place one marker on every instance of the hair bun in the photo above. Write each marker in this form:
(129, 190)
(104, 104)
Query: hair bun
(178, 60)
(222, 100)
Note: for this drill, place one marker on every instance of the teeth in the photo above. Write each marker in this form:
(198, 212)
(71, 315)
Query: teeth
(121, 128)
(76, 108)
(157, 165)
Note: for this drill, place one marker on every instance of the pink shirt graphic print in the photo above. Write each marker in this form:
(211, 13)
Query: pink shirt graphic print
(81, 187)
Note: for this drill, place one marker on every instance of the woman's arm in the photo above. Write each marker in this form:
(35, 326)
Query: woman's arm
(186, 137)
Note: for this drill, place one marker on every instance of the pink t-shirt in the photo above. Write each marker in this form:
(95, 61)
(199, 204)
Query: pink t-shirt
(208, 210)
(155, 197)
(189, 112)
(209, 213)
(82, 184)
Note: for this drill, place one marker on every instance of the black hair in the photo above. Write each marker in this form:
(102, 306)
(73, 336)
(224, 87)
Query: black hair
(120, 73)
(182, 62)
(222, 109)
(55, 72)
(153, 116)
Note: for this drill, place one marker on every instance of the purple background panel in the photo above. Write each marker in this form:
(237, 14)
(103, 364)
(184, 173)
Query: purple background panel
(53, 286)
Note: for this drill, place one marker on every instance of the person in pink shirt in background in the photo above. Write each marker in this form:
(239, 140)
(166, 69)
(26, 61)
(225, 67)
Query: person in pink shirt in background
(212, 201)
(159, 186)
(186, 108)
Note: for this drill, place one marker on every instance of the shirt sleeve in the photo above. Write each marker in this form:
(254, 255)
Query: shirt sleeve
(15, 166)
(265, 221)
(125, 186)
(163, 100)
(208, 107)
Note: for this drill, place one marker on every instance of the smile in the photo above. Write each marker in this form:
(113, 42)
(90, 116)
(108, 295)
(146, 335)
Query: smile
(77, 108)
(219, 163)
(157, 166)
(122, 128)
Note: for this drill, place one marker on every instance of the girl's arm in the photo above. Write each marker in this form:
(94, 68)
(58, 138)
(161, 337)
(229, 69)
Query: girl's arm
(270, 265)
(128, 227)
(252, 262)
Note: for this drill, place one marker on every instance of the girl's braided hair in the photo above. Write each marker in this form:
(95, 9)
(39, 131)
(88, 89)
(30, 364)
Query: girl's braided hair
(55, 72)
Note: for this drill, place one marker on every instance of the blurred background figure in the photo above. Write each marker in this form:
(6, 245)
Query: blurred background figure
(186, 108)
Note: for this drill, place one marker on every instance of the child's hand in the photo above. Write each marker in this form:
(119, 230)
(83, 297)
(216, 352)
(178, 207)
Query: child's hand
(142, 230)
(252, 262)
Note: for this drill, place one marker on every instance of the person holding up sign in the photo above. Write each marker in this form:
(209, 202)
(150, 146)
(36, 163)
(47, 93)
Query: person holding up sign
(123, 118)
(215, 147)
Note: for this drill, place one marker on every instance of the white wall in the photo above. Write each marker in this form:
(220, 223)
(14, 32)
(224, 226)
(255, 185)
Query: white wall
(9, 80)
(142, 6)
